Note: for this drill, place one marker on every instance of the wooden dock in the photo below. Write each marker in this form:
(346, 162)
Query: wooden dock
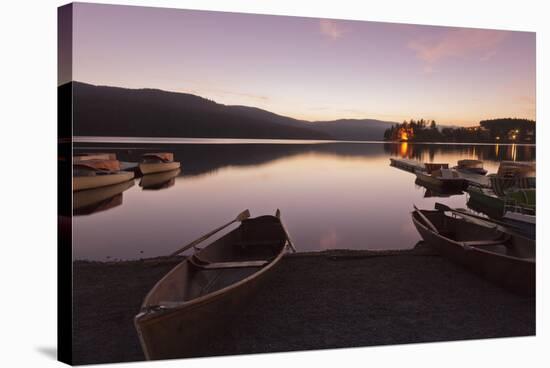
(407, 165)
(415, 165)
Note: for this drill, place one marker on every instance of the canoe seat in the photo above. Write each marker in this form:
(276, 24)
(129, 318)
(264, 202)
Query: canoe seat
(197, 262)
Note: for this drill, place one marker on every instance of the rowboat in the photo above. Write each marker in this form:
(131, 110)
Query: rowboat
(200, 296)
(86, 202)
(160, 180)
(95, 173)
(502, 257)
(157, 162)
(435, 190)
(495, 204)
(517, 169)
(472, 166)
(443, 178)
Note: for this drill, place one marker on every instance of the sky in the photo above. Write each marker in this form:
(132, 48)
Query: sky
(310, 68)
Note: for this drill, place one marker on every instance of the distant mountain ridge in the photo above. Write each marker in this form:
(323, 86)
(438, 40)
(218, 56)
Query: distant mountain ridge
(116, 111)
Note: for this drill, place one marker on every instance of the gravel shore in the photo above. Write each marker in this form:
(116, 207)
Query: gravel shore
(331, 299)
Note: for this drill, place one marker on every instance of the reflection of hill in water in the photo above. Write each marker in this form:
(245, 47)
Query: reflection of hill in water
(200, 159)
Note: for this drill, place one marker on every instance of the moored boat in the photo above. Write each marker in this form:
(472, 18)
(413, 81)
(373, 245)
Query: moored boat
(472, 166)
(493, 202)
(199, 296)
(517, 169)
(502, 257)
(95, 173)
(443, 178)
(157, 162)
(86, 202)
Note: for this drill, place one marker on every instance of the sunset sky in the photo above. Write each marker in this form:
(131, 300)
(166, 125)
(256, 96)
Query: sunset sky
(308, 68)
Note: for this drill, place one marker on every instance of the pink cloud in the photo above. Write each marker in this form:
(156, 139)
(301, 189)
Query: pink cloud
(331, 29)
(458, 43)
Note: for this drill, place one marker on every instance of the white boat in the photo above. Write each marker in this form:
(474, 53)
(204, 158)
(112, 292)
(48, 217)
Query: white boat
(86, 202)
(89, 174)
(157, 162)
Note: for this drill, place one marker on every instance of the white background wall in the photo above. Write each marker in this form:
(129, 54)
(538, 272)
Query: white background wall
(28, 180)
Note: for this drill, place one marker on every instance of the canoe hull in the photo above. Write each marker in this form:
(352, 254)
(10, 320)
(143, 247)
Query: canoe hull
(97, 181)
(187, 332)
(517, 275)
(193, 303)
(156, 167)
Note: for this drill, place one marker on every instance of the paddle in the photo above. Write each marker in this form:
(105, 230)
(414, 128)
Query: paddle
(278, 215)
(240, 217)
(426, 220)
(483, 221)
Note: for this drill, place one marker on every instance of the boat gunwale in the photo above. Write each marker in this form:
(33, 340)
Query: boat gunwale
(144, 315)
(470, 247)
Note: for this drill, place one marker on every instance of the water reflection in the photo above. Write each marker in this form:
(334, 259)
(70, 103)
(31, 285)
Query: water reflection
(335, 195)
(159, 181)
(86, 202)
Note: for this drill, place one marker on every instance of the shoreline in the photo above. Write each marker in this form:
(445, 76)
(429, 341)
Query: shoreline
(314, 300)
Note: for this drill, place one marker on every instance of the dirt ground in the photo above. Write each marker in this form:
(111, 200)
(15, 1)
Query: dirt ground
(332, 299)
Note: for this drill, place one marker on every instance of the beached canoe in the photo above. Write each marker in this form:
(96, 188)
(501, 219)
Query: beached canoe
(200, 296)
(504, 258)
(157, 162)
(90, 174)
(445, 179)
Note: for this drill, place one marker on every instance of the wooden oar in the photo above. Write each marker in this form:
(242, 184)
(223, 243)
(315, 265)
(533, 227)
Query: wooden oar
(240, 217)
(483, 221)
(278, 215)
(426, 220)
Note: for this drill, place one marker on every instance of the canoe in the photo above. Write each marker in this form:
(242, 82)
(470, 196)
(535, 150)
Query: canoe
(200, 296)
(157, 162)
(160, 180)
(445, 179)
(86, 202)
(504, 258)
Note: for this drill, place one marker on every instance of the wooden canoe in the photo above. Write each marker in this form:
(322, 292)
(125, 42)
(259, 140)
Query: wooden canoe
(200, 296)
(503, 258)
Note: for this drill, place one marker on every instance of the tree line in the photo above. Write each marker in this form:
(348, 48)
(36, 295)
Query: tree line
(505, 130)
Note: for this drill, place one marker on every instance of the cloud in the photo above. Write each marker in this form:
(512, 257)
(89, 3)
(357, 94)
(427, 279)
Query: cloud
(331, 29)
(458, 43)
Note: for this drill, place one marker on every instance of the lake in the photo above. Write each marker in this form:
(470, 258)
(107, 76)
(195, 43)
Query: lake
(332, 195)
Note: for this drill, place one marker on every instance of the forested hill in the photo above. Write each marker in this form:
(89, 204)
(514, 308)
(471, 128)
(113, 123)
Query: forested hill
(114, 111)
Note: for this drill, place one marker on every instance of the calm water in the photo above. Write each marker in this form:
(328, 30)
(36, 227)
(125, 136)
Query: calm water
(332, 195)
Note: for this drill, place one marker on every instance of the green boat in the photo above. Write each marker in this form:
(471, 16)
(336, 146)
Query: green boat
(487, 201)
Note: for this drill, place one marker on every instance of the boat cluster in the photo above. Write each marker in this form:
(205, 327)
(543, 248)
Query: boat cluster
(496, 237)
(99, 179)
